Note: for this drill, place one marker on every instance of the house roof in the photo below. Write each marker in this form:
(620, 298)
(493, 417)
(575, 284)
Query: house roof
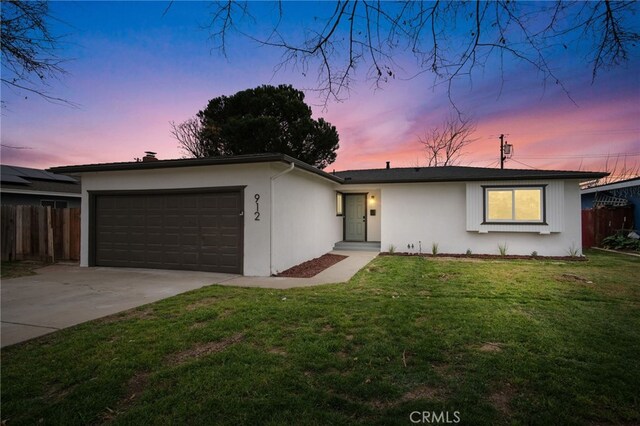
(456, 174)
(392, 175)
(18, 179)
(614, 185)
(194, 162)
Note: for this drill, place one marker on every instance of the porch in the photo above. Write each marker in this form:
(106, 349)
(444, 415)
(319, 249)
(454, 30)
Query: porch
(357, 246)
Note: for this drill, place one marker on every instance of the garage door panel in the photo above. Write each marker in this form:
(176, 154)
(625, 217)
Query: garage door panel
(195, 231)
(192, 240)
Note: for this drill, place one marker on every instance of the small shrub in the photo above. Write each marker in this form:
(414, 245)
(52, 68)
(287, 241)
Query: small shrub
(620, 241)
(534, 254)
(392, 248)
(468, 252)
(502, 248)
(434, 248)
(573, 250)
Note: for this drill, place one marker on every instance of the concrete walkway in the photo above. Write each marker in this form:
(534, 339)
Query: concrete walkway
(61, 296)
(338, 273)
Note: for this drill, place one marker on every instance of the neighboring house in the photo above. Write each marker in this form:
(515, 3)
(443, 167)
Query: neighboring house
(616, 194)
(34, 187)
(261, 214)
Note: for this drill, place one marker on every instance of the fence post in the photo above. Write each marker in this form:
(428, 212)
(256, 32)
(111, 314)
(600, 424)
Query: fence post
(50, 235)
(19, 233)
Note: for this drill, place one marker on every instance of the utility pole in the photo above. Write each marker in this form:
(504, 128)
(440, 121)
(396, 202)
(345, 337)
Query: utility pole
(506, 151)
(502, 157)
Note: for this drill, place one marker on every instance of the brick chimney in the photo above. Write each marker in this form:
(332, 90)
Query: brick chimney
(149, 156)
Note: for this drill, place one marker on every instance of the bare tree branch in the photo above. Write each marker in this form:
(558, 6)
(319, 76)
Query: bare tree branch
(444, 145)
(188, 134)
(29, 49)
(450, 40)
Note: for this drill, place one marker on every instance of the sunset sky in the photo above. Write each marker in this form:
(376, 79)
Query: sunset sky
(133, 70)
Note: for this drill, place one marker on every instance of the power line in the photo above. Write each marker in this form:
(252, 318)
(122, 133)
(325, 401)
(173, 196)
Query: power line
(561, 157)
(520, 162)
(546, 157)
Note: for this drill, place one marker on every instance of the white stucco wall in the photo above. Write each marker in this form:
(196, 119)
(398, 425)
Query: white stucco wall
(256, 177)
(305, 224)
(421, 214)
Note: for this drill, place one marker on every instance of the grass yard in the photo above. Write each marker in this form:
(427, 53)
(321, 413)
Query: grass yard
(19, 268)
(498, 342)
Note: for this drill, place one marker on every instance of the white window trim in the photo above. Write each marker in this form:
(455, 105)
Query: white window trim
(513, 188)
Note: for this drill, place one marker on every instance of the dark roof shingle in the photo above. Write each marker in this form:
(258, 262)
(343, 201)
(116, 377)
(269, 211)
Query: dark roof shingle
(393, 175)
(456, 174)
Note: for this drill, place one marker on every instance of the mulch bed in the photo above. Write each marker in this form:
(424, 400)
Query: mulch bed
(491, 256)
(312, 267)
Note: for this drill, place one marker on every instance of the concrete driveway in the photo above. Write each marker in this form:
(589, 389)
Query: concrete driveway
(64, 295)
(60, 296)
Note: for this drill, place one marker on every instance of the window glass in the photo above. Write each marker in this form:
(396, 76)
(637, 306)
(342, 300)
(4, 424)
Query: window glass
(528, 204)
(514, 204)
(339, 204)
(499, 204)
(47, 203)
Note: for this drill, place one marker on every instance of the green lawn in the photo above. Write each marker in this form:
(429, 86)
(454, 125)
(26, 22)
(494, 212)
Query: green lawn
(19, 268)
(497, 341)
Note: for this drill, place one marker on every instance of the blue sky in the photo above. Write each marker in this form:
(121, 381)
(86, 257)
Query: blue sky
(132, 70)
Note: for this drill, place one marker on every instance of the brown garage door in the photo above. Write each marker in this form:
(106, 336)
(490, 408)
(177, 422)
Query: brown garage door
(201, 231)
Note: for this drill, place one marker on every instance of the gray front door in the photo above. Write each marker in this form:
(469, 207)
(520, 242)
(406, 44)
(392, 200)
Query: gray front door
(355, 221)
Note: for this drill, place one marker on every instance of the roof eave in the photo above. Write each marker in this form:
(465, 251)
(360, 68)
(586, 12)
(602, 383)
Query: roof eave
(474, 179)
(190, 162)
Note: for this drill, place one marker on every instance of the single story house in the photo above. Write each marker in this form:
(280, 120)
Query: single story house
(616, 194)
(261, 214)
(24, 186)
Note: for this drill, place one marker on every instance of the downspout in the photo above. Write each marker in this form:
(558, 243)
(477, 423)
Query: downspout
(272, 205)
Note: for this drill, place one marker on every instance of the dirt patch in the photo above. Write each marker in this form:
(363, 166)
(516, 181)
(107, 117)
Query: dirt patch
(57, 392)
(441, 369)
(133, 314)
(207, 301)
(491, 347)
(312, 267)
(501, 399)
(574, 278)
(422, 392)
(327, 328)
(342, 355)
(445, 277)
(136, 385)
(204, 349)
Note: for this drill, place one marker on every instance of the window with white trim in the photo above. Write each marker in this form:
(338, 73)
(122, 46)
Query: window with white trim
(514, 204)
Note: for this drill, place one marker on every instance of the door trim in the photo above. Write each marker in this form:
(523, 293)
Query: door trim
(217, 189)
(366, 215)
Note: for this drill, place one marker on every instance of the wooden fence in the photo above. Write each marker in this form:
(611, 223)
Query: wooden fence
(40, 233)
(597, 224)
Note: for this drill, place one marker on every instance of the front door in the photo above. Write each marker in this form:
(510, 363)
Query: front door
(355, 220)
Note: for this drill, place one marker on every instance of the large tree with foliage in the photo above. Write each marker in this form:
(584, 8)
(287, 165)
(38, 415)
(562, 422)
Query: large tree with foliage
(260, 120)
